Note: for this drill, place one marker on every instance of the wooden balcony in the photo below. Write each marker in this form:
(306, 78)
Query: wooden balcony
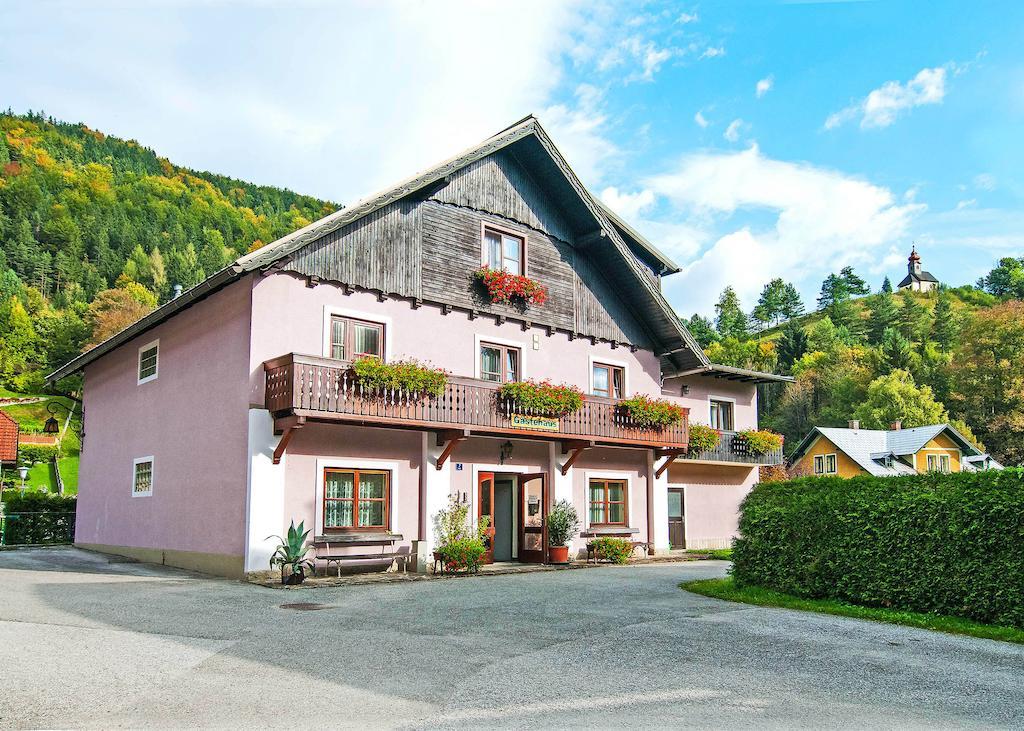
(734, 451)
(322, 389)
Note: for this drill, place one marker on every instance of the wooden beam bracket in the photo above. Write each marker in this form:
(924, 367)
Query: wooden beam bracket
(286, 438)
(449, 438)
(670, 457)
(575, 449)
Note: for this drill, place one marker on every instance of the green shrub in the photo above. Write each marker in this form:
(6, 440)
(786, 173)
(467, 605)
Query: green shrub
(35, 518)
(409, 376)
(463, 554)
(543, 397)
(758, 441)
(703, 438)
(652, 413)
(31, 453)
(943, 543)
(563, 521)
(616, 550)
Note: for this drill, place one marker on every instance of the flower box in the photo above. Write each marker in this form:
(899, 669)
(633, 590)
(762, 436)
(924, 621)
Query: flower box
(505, 288)
(652, 413)
(542, 398)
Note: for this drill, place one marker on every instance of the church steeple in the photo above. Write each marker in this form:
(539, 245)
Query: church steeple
(914, 261)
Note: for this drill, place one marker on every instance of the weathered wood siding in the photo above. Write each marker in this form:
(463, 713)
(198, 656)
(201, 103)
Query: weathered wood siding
(379, 251)
(429, 249)
(498, 184)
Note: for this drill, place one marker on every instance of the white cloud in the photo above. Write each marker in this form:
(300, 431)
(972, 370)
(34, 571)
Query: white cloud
(881, 107)
(627, 205)
(579, 132)
(985, 181)
(645, 53)
(970, 203)
(701, 120)
(823, 220)
(713, 52)
(685, 18)
(337, 108)
(764, 85)
(732, 132)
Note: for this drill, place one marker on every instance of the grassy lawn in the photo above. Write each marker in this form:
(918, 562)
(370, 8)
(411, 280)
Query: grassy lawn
(31, 418)
(726, 589)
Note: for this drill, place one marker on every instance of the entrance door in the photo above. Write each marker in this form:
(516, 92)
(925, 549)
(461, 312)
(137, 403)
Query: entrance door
(504, 525)
(676, 518)
(533, 510)
(485, 509)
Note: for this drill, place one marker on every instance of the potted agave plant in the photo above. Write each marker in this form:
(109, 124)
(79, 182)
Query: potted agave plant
(292, 552)
(563, 521)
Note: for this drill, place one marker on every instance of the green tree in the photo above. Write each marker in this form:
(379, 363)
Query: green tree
(896, 352)
(770, 305)
(854, 284)
(886, 285)
(884, 314)
(833, 289)
(792, 305)
(945, 323)
(896, 397)
(730, 322)
(915, 322)
(19, 343)
(702, 330)
(1006, 279)
(792, 345)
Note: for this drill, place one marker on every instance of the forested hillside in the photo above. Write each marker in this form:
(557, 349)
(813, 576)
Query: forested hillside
(95, 231)
(956, 354)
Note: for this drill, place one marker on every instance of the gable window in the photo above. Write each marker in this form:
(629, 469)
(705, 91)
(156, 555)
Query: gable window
(504, 250)
(149, 356)
(356, 499)
(609, 380)
(825, 464)
(499, 363)
(142, 477)
(607, 502)
(352, 338)
(721, 415)
(938, 463)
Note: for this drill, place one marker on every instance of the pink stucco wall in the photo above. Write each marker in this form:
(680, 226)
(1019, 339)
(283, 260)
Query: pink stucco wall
(288, 317)
(704, 388)
(191, 419)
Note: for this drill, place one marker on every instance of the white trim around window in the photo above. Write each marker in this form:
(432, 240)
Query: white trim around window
(332, 311)
(355, 463)
(626, 477)
(725, 399)
(136, 474)
(156, 365)
(479, 339)
(626, 392)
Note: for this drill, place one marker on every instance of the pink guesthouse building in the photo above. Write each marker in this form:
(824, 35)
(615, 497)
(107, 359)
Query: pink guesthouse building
(232, 410)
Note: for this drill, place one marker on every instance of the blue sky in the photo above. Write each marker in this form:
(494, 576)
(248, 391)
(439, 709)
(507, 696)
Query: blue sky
(748, 140)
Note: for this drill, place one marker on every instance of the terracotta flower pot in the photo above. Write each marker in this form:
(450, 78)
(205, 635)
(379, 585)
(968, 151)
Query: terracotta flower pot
(558, 554)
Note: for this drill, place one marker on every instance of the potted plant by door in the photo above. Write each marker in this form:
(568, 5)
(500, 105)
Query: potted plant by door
(291, 552)
(562, 523)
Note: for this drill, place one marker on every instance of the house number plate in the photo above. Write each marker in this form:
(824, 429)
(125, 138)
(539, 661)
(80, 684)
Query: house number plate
(543, 423)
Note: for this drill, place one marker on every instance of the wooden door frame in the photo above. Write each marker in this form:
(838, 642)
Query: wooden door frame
(520, 496)
(483, 477)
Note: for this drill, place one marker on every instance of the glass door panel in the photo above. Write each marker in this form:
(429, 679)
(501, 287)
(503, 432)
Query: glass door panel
(533, 514)
(485, 509)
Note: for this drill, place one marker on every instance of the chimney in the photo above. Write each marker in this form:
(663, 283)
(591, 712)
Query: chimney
(853, 424)
(177, 291)
(896, 425)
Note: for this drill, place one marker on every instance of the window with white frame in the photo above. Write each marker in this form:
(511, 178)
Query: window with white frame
(352, 338)
(722, 415)
(504, 250)
(608, 380)
(149, 356)
(142, 477)
(938, 463)
(825, 464)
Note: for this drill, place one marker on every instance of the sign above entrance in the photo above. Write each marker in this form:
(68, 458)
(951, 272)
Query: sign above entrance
(541, 423)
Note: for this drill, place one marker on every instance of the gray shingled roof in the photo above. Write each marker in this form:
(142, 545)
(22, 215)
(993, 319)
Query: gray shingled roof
(922, 277)
(869, 447)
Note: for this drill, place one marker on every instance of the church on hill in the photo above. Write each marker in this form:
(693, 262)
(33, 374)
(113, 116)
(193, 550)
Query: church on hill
(917, 279)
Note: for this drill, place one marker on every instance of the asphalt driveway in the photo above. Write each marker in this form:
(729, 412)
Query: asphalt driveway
(89, 642)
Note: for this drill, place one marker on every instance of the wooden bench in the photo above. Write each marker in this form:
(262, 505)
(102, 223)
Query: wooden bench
(325, 547)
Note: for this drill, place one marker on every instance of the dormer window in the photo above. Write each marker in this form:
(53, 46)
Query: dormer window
(504, 250)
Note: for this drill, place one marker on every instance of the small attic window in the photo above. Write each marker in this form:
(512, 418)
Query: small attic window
(504, 250)
(149, 356)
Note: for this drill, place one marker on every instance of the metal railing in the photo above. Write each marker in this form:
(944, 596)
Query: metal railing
(36, 529)
(733, 448)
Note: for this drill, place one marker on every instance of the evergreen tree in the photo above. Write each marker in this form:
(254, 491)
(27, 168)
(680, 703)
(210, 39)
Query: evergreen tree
(770, 304)
(854, 284)
(702, 330)
(886, 285)
(946, 323)
(884, 314)
(792, 345)
(792, 305)
(896, 351)
(730, 322)
(833, 289)
(914, 323)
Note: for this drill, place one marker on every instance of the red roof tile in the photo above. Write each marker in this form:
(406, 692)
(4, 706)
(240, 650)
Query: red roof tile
(8, 438)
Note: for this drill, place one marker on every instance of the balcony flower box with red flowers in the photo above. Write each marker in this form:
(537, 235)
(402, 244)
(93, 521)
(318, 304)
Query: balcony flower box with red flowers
(541, 398)
(652, 413)
(505, 288)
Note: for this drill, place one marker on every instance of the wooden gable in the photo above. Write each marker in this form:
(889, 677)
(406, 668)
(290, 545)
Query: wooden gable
(427, 247)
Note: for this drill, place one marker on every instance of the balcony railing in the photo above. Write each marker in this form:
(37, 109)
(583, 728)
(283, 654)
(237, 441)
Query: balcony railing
(733, 449)
(326, 389)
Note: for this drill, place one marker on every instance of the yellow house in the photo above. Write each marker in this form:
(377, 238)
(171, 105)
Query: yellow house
(855, 451)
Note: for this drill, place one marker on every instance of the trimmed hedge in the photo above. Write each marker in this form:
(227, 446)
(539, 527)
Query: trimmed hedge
(37, 518)
(944, 543)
